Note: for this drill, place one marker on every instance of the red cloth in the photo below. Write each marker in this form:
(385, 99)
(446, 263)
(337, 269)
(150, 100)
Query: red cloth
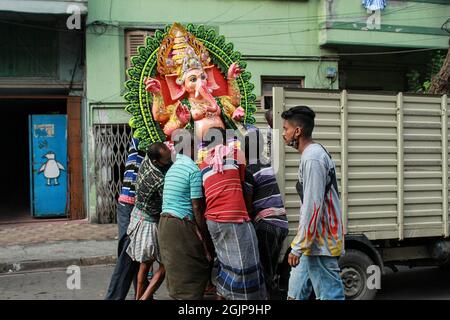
(215, 159)
(223, 190)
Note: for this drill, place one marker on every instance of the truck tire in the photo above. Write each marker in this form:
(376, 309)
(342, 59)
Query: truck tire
(354, 264)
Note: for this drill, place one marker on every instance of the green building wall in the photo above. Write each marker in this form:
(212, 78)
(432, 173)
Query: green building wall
(105, 53)
(269, 45)
(407, 24)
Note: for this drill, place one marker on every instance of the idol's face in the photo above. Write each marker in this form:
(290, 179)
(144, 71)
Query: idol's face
(194, 80)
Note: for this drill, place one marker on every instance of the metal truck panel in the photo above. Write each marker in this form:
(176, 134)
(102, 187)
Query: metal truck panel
(391, 154)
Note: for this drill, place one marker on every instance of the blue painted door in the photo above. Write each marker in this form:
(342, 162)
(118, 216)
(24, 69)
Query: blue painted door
(48, 165)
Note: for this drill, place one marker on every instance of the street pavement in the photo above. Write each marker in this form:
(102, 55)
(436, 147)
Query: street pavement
(28, 247)
(54, 244)
(54, 232)
(57, 255)
(418, 283)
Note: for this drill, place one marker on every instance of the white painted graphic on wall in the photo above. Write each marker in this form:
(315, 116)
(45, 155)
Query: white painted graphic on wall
(51, 169)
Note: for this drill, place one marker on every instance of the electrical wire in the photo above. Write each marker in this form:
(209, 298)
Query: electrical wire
(410, 9)
(290, 34)
(250, 22)
(289, 20)
(314, 17)
(228, 37)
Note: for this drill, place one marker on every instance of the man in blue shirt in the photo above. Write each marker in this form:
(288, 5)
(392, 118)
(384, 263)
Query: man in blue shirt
(182, 228)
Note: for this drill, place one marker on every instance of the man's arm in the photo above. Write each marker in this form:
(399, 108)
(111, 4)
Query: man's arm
(197, 199)
(314, 182)
(198, 207)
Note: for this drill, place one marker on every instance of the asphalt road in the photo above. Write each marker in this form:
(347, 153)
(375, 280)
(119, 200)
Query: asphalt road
(419, 283)
(426, 283)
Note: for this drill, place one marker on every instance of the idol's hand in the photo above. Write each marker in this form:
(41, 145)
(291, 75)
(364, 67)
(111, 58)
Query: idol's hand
(183, 114)
(238, 114)
(152, 85)
(234, 71)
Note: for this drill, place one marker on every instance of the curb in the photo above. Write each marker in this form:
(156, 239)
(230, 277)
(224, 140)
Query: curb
(50, 264)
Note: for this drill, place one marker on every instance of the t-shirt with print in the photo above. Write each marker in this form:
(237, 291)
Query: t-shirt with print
(320, 231)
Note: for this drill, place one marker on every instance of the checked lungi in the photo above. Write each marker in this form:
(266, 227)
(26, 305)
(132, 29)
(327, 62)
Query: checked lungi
(240, 276)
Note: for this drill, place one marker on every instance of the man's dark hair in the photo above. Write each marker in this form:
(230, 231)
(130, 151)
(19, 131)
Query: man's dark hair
(301, 116)
(154, 150)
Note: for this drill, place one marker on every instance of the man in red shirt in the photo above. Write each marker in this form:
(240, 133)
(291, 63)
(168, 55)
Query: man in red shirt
(240, 276)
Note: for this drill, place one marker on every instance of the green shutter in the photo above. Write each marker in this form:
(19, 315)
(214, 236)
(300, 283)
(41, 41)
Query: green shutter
(28, 51)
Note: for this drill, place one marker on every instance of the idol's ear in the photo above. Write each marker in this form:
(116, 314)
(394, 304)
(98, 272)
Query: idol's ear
(176, 91)
(210, 81)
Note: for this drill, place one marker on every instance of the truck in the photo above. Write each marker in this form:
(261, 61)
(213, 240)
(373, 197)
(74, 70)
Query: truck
(391, 155)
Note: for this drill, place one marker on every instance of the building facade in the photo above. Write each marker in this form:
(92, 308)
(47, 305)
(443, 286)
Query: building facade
(42, 99)
(326, 44)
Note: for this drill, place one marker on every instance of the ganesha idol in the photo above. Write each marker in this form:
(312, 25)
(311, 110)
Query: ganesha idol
(182, 84)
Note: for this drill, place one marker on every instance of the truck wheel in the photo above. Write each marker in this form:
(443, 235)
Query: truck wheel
(354, 264)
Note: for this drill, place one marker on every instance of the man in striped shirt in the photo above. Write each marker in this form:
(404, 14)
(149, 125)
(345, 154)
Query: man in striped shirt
(265, 205)
(240, 276)
(132, 165)
(126, 269)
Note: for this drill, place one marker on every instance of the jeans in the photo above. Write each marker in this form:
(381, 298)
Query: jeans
(126, 269)
(320, 273)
